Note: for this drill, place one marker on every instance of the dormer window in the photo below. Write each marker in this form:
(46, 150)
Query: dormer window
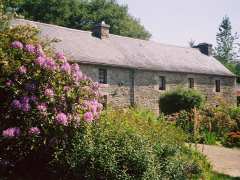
(102, 75)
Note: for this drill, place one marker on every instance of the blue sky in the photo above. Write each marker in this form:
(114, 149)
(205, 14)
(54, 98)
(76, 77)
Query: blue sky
(178, 21)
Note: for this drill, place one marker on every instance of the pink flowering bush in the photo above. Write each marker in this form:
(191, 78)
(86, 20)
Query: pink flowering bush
(44, 98)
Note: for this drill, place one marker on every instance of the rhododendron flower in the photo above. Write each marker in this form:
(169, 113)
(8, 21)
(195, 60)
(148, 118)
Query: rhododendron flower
(25, 99)
(9, 83)
(40, 61)
(42, 107)
(22, 70)
(25, 107)
(39, 51)
(49, 92)
(61, 57)
(88, 117)
(75, 67)
(30, 48)
(49, 64)
(34, 131)
(11, 132)
(78, 76)
(16, 104)
(17, 45)
(66, 68)
(62, 119)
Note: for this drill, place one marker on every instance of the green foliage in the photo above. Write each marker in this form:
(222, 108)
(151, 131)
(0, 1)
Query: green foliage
(129, 144)
(43, 100)
(84, 14)
(211, 125)
(225, 41)
(180, 99)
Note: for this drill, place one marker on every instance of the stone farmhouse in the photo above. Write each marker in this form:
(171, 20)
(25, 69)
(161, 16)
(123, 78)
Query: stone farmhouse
(137, 72)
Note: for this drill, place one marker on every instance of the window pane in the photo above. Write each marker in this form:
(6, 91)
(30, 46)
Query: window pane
(217, 84)
(191, 82)
(103, 76)
(162, 83)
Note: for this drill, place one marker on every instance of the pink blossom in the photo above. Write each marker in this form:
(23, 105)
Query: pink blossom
(39, 51)
(11, 132)
(40, 61)
(22, 70)
(75, 67)
(42, 107)
(16, 104)
(17, 45)
(30, 48)
(25, 107)
(61, 57)
(34, 131)
(49, 92)
(88, 116)
(66, 68)
(49, 64)
(62, 119)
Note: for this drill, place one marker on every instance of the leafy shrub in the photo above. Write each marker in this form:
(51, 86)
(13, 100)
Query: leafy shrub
(43, 99)
(233, 139)
(127, 145)
(180, 99)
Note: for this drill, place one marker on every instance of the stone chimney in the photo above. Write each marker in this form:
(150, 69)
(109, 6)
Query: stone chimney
(204, 48)
(101, 30)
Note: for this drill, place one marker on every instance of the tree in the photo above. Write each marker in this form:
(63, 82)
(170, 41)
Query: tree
(225, 50)
(84, 14)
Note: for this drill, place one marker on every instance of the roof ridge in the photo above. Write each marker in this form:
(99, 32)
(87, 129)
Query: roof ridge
(115, 35)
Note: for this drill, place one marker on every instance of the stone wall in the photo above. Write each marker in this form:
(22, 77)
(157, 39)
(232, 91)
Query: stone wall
(146, 86)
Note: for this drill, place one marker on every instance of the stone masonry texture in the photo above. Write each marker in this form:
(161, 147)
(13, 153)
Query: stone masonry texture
(143, 89)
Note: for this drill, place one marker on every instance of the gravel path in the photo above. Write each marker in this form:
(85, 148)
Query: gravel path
(224, 160)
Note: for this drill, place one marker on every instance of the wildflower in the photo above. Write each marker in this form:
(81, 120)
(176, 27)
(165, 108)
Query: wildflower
(16, 104)
(17, 45)
(66, 67)
(62, 119)
(88, 117)
(30, 48)
(22, 70)
(49, 92)
(11, 132)
(34, 131)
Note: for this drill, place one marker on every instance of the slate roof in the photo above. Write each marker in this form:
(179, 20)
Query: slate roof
(120, 51)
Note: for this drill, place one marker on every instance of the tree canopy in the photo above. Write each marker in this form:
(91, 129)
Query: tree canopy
(225, 49)
(83, 14)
